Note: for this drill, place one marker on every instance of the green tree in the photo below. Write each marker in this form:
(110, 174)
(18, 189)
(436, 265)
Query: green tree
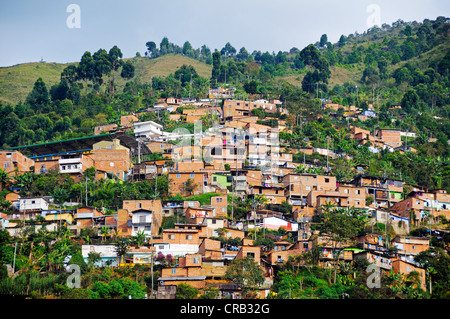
(39, 97)
(127, 70)
(121, 246)
(115, 56)
(409, 100)
(102, 65)
(216, 67)
(323, 40)
(190, 186)
(4, 179)
(185, 291)
(245, 272)
(343, 224)
(86, 68)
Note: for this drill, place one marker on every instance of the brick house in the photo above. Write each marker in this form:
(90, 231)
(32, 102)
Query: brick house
(210, 249)
(102, 129)
(113, 158)
(124, 222)
(253, 252)
(188, 271)
(177, 182)
(390, 137)
(274, 194)
(281, 252)
(179, 242)
(196, 215)
(14, 161)
(85, 217)
(298, 186)
(146, 215)
(126, 121)
(437, 202)
(200, 228)
(220, 204)
(159, 147)
(404, 268)
(410, 245)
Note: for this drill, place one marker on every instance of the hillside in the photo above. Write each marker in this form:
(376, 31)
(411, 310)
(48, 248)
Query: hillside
(18, 80)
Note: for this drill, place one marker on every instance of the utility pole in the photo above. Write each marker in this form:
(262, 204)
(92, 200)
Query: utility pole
(328, 152)
(87, 178)
(190, 84)
(139, 152)
(151, 254)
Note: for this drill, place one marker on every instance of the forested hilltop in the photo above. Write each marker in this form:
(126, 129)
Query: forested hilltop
(404, 64)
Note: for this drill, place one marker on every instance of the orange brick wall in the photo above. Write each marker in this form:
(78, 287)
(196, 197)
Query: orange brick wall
(112, 161)
(177, 184)
(14, 160)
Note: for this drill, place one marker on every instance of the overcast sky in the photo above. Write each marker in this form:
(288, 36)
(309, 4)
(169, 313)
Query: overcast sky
(31, 30)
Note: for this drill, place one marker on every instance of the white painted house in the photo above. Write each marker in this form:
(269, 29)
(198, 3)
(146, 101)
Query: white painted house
(33, 203)
(147, 129)
(276, 223)
(108, 254)
(142, 222)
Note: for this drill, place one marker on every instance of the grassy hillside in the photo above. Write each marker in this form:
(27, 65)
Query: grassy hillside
(18, 80)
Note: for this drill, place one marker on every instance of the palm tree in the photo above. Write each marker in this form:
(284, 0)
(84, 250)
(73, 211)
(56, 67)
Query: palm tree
(24, 181)
(104, 231)
(122, 245)
(139, 239)
(59, 195)
(4, 179)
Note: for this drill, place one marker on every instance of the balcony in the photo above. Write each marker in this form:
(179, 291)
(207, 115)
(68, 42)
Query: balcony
(71, 160)
(70, 169)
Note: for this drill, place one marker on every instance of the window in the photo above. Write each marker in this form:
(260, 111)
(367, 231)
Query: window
(191, 175)
(358, 191)
(219, 200)
(196, 260)
(171, 236)
(251, 255)
(139, 205)
(142, 219)
(327, 180)
(174, 271)
(188, 237)
(178, 175)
